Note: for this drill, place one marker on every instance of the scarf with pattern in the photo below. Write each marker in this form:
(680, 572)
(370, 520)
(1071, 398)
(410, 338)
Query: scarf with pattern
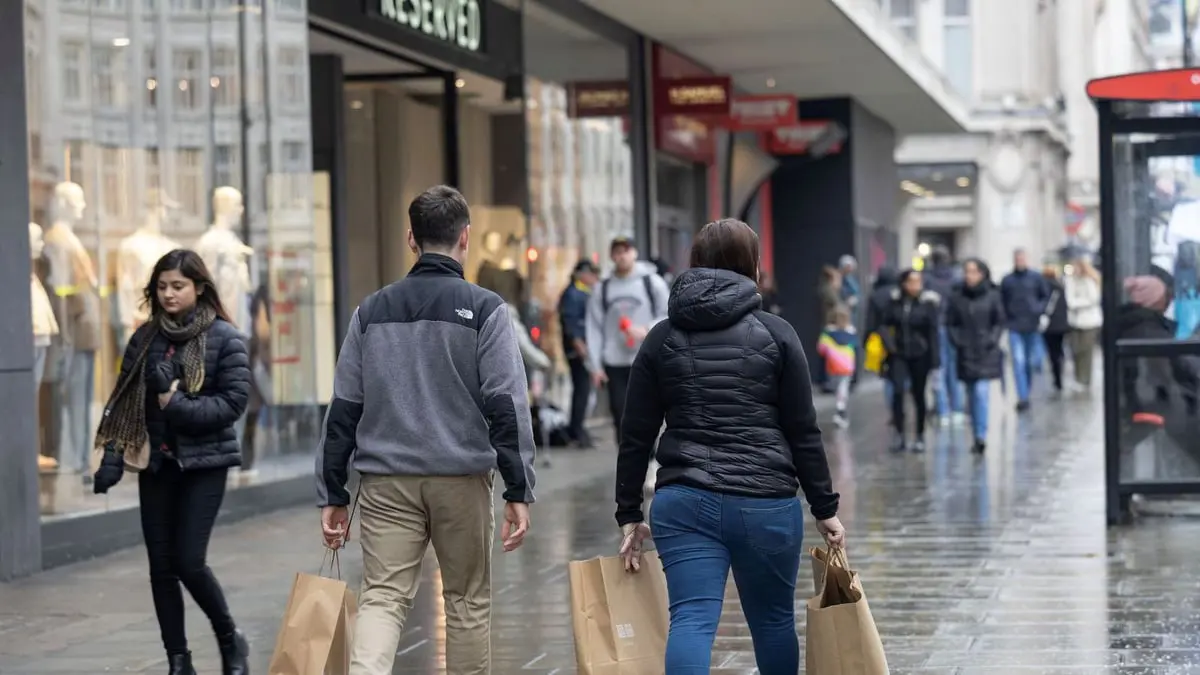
(123, 427)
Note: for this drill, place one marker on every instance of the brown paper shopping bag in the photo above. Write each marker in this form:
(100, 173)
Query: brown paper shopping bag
(818, 559)
(620, 618)
(840, 637)
(317, 630)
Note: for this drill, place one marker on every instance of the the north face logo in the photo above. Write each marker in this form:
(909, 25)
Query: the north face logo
(465, 313)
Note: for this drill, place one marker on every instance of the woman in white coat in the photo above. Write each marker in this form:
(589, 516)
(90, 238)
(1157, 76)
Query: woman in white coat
(1084, 315)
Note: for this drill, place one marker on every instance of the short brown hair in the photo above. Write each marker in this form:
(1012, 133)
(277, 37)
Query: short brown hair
(727, 244)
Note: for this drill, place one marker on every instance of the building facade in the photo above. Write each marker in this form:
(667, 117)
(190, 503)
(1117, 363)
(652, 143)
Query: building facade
(1031, 140)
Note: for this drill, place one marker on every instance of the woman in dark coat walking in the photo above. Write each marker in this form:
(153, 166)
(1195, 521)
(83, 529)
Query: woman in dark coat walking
(975, 323)
(909, 330)
(1054, 324)
(184, 382)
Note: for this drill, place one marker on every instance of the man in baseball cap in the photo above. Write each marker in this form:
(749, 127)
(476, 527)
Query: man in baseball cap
(620, 314)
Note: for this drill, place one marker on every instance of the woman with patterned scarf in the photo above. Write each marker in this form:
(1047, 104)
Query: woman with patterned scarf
(184, 383)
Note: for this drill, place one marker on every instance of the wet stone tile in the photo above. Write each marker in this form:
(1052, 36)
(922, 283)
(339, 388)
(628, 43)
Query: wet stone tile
(998, 565)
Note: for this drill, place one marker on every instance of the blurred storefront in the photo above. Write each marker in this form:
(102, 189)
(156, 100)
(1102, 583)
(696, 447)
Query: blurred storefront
(157, 125)
(284, 140)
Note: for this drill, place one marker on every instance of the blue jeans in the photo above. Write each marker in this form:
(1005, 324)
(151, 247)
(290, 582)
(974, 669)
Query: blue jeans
(977, 402)
(1027, 353)
(946, 389)
(700, 535)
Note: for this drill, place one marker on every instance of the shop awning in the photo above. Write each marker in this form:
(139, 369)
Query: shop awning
(810, 48)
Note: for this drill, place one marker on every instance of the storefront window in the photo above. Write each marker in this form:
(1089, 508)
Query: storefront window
(137, 145)
(579, 158)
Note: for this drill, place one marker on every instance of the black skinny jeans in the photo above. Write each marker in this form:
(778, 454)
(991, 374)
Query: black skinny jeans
(916, 371)
(581, 392)
(618, 385)
(1054, 347)
(179, 509)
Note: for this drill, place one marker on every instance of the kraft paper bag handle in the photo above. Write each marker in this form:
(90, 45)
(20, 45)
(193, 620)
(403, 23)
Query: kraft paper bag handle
(331, 554)
(833, 556)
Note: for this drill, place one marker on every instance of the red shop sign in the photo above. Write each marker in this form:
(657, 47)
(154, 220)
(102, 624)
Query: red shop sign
(810, 137)
(598, 99)
(686, 138)
(695, 96)
(761, 113)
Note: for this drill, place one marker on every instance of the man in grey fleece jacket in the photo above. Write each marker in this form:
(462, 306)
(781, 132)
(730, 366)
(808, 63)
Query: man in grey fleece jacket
(430, 399)
(621, 311)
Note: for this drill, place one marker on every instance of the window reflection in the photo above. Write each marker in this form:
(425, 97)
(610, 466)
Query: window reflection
(134, 131)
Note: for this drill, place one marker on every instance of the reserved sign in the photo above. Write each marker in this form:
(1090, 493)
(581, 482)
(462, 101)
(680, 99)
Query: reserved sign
(458, 22)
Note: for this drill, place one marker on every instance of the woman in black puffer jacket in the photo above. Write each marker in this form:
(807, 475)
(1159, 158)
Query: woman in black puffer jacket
(184, 382)
(909, 328)
(732, 383)
(975, 323)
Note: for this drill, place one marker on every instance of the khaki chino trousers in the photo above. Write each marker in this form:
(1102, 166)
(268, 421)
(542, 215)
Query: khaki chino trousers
(399, 517)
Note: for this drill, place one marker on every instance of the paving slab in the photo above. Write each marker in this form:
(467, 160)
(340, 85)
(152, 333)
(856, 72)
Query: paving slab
(998, 564)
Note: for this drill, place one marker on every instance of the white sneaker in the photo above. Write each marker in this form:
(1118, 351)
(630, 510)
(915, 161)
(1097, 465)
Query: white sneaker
(841, 421)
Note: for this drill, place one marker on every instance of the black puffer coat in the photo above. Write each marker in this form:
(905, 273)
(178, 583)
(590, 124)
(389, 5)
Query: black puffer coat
(975, 324)
(909, 327)
(732, 383)
(199, 428)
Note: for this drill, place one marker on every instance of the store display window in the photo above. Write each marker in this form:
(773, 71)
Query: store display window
(153, 126)
(579, 158)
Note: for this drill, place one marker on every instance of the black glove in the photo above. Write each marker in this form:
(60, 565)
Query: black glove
(112, 469)
(160, 376)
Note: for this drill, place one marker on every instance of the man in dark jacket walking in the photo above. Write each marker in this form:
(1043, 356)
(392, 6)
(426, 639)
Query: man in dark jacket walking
(572, 317)
(430, 399)
(942, 278)
(886, 280)
(1024, 294)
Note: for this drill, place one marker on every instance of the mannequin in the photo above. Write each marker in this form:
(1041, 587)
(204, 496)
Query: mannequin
(225, 254)
(76, 301)
(44, 325)
(136, 257)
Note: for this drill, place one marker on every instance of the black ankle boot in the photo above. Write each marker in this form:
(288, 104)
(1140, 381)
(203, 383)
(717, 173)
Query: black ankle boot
(235, 653)
(181, 664)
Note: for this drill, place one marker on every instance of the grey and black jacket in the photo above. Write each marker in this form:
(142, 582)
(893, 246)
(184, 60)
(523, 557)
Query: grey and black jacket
(429, 382)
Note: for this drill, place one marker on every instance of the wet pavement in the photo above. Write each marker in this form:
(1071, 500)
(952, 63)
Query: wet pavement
(999, 564)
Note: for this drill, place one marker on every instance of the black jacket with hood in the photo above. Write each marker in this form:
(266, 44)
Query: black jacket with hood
(975, 325)
(732, 383)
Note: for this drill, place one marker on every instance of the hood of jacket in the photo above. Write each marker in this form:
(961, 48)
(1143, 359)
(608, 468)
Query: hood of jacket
(642, 268)
(944, 273)
(886, 277)
(711, 299)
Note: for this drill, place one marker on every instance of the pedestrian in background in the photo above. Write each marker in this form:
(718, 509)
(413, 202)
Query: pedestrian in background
(732, 383)
(849, 293)
(769, 293)
(1054, 325)
(572, 317)
(620, 314)
(183, 385)
(1024, 294)
(430, 399)
(1085, 316)
(838, 347)
(877, 305)
(942, 278)
(975, 324)
(909, 330)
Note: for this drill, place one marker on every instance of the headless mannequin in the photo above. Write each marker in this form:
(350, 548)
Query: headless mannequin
(136, 257)
(76, 302)
(44, 326)
(225, 254)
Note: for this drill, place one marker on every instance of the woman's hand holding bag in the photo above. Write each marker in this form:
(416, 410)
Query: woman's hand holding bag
(633, 539)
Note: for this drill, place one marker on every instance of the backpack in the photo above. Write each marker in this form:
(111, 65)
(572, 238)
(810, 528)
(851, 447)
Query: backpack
(649, 294)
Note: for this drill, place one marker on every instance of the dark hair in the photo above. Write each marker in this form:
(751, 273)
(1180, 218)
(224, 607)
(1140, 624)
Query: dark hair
(727, 244)
(907, 274)
(438, 217)
(940, 256)
(191, 265)
(984, 270)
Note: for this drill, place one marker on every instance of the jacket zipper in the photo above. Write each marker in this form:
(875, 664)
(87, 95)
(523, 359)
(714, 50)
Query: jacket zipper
(907, 327)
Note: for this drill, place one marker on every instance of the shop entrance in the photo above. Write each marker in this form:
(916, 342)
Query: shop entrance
(1150, 256)
(407, 127)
